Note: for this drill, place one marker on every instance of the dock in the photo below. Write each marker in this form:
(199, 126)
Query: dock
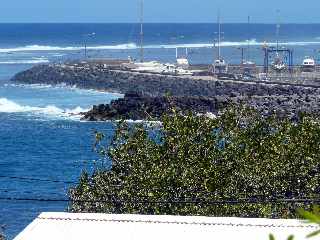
(296, 76)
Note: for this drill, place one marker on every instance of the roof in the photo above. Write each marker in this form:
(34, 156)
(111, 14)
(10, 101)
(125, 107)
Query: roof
(72, 226)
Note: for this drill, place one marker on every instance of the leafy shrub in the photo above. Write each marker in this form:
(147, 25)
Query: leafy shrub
(311, 218)
(238, 164)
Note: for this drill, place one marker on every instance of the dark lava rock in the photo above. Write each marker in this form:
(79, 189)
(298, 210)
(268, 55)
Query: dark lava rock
(146, 93)
(152, 84)
(138, 107)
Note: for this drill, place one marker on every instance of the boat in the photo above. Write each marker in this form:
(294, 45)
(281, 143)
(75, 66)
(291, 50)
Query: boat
(278, 63)
(248, 65)
(182, 61)
(219, 65)
(308, 64)
(184, 72)
(159, 68)
(155, 66)
(151, 67)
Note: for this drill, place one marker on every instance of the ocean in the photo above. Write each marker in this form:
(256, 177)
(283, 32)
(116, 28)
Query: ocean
(43, 144)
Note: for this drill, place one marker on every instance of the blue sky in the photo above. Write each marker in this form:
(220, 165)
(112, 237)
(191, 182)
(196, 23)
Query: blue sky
(158, 10)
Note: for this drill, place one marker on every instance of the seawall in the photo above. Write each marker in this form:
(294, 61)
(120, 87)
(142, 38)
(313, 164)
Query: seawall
(116, 80)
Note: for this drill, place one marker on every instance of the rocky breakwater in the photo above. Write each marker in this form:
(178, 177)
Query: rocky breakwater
(107, 79)
(197, 94)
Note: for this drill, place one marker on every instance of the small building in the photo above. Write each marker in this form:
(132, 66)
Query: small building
(308, 65)
(78, 226)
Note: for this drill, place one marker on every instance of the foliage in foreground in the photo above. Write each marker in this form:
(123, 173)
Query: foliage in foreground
(271, 237)
(311, 218)
(238, 164)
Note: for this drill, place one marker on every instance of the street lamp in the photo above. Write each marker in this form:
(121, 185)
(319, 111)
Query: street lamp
(85, 42)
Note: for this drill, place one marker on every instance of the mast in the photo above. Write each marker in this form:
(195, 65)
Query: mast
(278, 29)
(248, 49)
(219, 36)
(141, 31)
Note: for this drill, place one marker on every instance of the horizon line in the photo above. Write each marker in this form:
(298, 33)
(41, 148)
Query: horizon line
(265, 23)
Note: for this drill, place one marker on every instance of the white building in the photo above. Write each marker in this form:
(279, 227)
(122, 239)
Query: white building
(69, 226)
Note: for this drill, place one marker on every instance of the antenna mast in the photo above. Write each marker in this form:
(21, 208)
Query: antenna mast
(141, 31)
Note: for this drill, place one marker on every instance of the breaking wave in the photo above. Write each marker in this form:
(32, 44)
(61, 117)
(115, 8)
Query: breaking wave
(129, 46)
(33, 48)
(8, 106)
(232, 44)
(30, 61)
(64, 86)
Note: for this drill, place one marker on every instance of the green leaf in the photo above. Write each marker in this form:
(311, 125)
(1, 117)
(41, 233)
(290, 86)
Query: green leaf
(316, 233)
(313, 218)
(291, 237)
(271, 237)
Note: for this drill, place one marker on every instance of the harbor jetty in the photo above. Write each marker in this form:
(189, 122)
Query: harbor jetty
(200, 93)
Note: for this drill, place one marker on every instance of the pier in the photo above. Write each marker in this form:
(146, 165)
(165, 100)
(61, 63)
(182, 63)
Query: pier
(236, 73)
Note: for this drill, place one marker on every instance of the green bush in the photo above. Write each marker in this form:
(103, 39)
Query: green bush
(238, 164)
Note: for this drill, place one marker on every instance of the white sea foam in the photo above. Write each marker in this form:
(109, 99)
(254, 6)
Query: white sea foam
(64, 87)
(44, 86)
(158, 46)
(29, 61)
(11, 107)
(8, 106)
(31, 48)
(57, 54)
(232, 44)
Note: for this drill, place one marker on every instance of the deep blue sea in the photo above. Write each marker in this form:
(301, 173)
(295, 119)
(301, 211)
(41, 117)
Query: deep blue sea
(41, 136)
